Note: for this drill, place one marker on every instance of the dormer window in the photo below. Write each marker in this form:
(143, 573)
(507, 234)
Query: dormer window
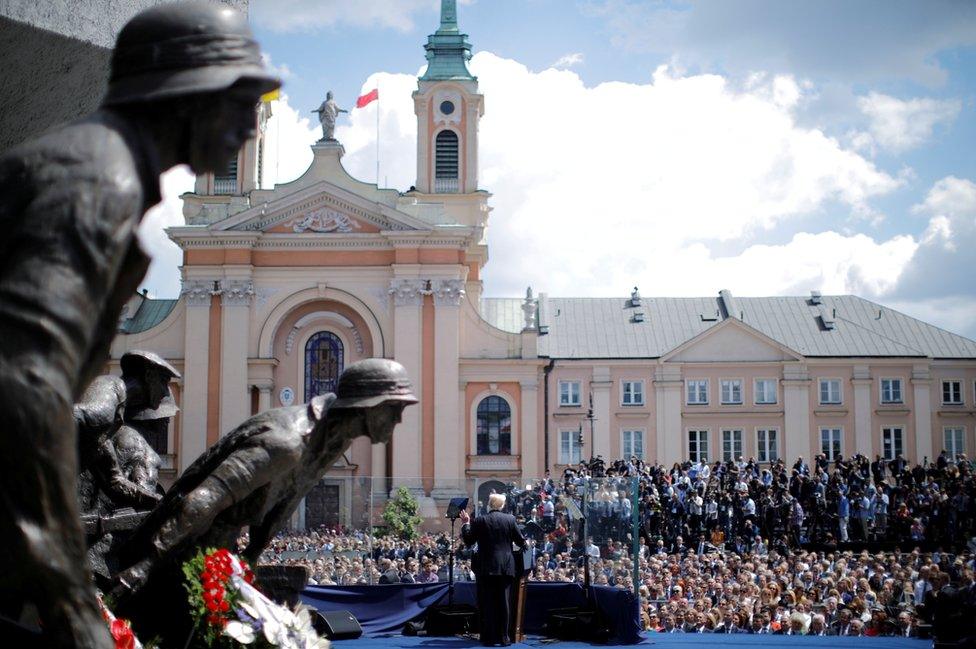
(446, 163)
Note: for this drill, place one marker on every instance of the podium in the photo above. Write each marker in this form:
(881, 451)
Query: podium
(523, 566)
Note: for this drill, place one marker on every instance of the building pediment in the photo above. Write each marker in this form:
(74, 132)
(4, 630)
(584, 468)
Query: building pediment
(731, 341)
(322, 208)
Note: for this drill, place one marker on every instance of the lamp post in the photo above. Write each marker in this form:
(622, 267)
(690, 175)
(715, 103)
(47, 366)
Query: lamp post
(590, 417)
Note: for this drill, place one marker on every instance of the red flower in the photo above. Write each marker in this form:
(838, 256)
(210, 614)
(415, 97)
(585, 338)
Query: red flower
(122, 634)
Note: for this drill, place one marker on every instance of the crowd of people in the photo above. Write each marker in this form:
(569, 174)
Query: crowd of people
(825, 548)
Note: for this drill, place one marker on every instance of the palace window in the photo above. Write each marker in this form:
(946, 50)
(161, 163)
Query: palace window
(569, 393)
(765, 391)
(323, 363)
(731, 444)
(830, 392)
(952, 392)
(954, 440)
(731, 391)
(632, 443)
(831, 443)
(892, 442)
(767, 445)
(697, 391)
(698, 445)
(569, 448)
(632, 393)
(891, 391)
(494, 427)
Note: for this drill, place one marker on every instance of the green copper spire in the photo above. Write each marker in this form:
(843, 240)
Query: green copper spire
(448, 17)
(448, 50)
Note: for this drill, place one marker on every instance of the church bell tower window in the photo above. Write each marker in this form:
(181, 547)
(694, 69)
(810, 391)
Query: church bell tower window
(226, 183)
(446, 163)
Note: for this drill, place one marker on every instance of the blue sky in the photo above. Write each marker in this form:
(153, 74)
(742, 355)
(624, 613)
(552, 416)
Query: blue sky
(764, 147)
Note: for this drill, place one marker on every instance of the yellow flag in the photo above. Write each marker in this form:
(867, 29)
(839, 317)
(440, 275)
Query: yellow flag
(268, 97)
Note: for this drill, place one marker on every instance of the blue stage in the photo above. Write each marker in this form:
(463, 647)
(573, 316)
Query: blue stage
(383, 610)
(676, 640)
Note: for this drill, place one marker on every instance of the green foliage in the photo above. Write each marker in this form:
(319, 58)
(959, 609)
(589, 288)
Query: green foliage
(401, 514)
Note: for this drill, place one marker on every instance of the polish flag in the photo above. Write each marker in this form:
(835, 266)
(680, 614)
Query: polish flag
(368, 98)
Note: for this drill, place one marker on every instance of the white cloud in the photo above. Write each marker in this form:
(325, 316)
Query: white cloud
(308, 15)
(600, 188)
(282, 71)
(568, 60)
(944, 264)
(901, 124)
(290, 134)
(163, 278)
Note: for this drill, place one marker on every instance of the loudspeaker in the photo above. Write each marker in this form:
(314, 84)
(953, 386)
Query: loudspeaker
(575, 624)
(451, 620)
(337, 625)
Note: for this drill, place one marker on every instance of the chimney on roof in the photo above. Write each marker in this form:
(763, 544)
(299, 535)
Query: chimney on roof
(635, 297)
(729, 307)
(815, 298)
(542, 314)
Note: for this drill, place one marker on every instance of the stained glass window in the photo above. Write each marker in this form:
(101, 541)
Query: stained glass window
(494, 427)
(323, 363)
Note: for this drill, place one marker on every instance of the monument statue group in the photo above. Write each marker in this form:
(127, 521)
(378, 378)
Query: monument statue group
(80, 501)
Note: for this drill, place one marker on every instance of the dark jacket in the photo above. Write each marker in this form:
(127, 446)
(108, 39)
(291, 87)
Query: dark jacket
(494, 533)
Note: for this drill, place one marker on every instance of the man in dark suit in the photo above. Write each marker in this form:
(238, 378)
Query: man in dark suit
(495, 532)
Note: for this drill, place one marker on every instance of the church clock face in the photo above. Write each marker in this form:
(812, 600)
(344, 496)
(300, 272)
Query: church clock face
(447, 107)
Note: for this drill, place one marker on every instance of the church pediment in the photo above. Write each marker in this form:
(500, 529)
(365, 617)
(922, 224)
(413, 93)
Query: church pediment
(731, 341)
(322, 208)
(323, 220)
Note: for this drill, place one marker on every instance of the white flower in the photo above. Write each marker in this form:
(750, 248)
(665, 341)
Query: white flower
(241, 632)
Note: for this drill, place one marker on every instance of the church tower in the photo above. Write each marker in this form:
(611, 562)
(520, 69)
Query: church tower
(448, 108)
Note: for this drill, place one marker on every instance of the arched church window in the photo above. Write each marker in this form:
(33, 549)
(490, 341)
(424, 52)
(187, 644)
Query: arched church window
(494, 427)
(323, 363)
(446, 162)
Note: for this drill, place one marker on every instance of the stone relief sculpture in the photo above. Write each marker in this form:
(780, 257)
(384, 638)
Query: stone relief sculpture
(328, 112)
(323, 220)
(70, 204)
(255, 475)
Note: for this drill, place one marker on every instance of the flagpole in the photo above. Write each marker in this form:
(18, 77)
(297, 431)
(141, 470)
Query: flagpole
(377, 133)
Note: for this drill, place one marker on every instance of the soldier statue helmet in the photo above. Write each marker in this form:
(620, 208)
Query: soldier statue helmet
(185, 48)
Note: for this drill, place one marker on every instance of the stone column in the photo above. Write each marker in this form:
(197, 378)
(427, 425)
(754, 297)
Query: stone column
(408, 293)
(600, 387)
(796, 416)
(235, 402)
(265, 390)
(528, 433)
(196, 295)
(862, 410)
(668, 389)
(922, 392)
(449, 460)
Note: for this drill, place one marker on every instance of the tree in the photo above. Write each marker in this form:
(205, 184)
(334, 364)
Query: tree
(401, 514)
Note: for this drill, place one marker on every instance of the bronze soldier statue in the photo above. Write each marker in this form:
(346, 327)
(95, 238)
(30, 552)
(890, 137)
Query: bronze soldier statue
(254, 476)
(184, 86)
(149, 406)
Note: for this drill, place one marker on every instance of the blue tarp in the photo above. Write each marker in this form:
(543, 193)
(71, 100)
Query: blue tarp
(385, 609)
